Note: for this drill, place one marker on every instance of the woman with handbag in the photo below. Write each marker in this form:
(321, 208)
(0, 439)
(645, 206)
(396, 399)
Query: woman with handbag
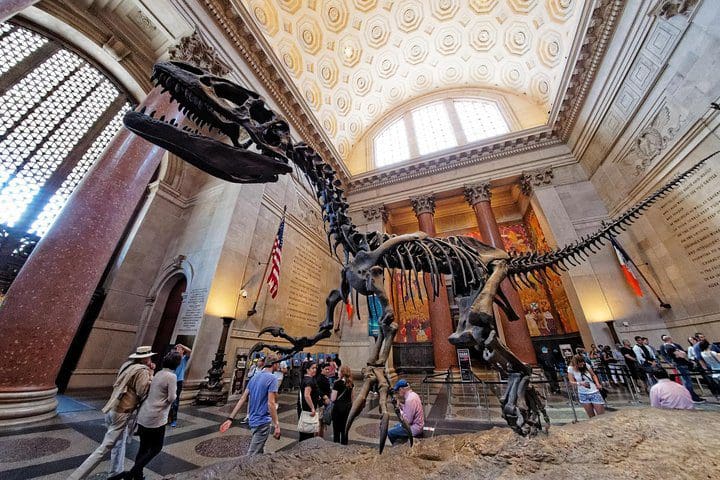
(341, 402)
(309, 420)
(588, 385)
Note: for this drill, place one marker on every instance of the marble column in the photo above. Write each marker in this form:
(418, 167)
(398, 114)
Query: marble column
(8, 8)
(517, 335)
(48, 299)
(440, 319)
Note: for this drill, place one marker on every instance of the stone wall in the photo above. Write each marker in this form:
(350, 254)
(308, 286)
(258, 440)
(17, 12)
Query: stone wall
(646, 119)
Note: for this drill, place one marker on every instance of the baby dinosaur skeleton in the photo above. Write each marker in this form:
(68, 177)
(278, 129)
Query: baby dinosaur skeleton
(476, 269)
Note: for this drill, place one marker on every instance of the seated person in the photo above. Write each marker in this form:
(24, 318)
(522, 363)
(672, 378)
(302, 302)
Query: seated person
(411, 411)
(668, 394)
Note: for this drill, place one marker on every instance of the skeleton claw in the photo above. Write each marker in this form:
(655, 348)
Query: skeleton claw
(274, 331)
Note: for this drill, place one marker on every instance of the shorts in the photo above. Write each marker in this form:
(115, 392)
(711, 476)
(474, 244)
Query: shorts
(595, 398)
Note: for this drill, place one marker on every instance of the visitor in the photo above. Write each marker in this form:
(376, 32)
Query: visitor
(547, 363)
(153, 416)
(712, 361)
(668, 394)
(676, 356)
(180, 374)
(411, 411)
(261, 395)
(324, 393)
(342, 401)
(582, 376)
(129, 390)
(646, 359)
(308, 395)
(631, 362)
(332, 370)
(279, 374)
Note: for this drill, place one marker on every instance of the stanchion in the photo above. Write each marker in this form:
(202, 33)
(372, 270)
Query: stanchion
(570, 398)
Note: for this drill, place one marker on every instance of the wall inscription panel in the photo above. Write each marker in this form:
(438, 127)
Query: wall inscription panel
(305, 296)
(192, 315)
(693, 213)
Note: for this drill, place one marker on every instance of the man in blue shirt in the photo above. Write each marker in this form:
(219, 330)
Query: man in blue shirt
(180, 374)
(261, 394)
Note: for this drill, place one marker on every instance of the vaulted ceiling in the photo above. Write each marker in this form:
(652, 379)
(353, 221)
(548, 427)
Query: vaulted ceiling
(355, 61)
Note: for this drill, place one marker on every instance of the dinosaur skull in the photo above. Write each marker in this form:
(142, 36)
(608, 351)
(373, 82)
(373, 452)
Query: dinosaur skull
(216, 103)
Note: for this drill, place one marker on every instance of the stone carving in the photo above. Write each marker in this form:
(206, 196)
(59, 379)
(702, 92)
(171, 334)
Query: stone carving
(423, 204)
(478, 192)
(653, 139)
(193, 49)
(534, 179)
(477, 269)
(670, 8)
(375, 212)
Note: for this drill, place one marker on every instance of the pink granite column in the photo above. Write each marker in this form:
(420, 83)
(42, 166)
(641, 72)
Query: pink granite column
(517, 335)
(47, 300)
(8, 8)
(440, 319)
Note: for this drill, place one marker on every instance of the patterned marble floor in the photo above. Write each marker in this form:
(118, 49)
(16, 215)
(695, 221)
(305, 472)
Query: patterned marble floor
(53, 448)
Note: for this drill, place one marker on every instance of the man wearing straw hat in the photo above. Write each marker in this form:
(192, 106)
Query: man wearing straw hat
(130, 389)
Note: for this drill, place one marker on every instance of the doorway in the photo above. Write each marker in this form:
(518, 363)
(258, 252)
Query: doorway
(166, 327)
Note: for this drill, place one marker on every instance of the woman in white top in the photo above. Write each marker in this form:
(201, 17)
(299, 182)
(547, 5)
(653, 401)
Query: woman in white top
(153, 416)
(581, 375)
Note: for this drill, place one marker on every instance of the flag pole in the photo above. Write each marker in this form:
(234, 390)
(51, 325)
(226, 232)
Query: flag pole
(624, 254)
(253, 310)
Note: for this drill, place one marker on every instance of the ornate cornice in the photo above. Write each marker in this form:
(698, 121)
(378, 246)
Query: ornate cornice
(462, 159)
(477, 192)
(239, 33)
(423, 204)
(670, 8)
(195, 50)
(375, 212)
(602, 25)
(534, 179)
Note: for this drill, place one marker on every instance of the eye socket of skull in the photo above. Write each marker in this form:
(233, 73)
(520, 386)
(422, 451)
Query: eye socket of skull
(229, 92)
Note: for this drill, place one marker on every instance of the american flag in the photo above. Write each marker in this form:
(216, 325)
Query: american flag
(275, 258)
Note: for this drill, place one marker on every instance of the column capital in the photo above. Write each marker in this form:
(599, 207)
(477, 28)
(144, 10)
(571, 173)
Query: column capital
(376, 212)
(423, 204)
(477, 192)
(535, 178)
(195, 50)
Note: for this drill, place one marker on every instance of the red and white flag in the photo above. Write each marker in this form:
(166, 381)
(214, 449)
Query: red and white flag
(273, 279)
(625, 265)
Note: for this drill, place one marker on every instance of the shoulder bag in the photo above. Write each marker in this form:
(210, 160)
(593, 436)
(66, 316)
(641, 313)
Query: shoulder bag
(307, 423)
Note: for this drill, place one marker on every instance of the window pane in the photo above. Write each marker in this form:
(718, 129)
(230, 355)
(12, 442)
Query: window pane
(480, 119)
(433, 130)
(44, 116)
(391, 146)
(16, 45)
(51, 210)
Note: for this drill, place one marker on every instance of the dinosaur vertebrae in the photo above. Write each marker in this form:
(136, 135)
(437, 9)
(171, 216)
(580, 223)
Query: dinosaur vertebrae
(528, 265)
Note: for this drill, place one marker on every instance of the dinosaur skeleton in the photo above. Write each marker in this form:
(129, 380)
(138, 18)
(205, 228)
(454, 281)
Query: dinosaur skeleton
(245, 122)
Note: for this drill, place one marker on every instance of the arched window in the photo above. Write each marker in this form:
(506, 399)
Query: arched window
(57, 114)
(438, 126)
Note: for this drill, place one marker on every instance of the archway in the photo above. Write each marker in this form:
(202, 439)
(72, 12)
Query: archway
(169, 316)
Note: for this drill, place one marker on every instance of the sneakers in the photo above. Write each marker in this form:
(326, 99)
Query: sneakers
(173, 424)
(699, 400)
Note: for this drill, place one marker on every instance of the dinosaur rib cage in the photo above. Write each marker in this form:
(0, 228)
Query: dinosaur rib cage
(456, 256)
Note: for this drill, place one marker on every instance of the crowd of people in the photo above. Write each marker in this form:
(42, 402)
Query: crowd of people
(664, 372)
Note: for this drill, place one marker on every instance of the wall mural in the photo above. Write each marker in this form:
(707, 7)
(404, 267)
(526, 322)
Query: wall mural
(546, 308)
(413, 319)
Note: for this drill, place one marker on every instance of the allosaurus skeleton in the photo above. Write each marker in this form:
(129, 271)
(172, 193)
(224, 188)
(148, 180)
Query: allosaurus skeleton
(477, 270)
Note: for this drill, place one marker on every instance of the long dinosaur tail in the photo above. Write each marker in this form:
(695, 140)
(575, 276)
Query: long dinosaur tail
(527, 265)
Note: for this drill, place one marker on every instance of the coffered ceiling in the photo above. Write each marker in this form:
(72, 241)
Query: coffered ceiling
(354, 61)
